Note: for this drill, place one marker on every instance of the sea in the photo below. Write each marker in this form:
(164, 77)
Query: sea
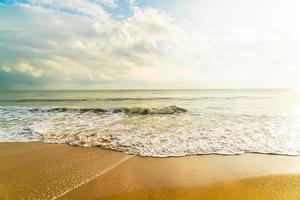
(157, 123)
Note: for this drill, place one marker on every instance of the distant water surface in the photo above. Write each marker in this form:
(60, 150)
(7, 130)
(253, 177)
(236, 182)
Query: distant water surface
(156, 122)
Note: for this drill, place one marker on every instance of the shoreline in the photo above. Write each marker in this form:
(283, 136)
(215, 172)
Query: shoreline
(171, 156)
(58, 171)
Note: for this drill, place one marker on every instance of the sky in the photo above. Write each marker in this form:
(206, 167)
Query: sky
(149, 44)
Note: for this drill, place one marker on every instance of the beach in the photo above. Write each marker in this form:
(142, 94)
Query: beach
(149, 100)
(59, 171)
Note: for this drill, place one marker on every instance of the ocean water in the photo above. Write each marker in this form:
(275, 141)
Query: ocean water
(156, 123)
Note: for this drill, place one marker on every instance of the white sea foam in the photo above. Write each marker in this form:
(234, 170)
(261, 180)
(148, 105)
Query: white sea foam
(159, 132)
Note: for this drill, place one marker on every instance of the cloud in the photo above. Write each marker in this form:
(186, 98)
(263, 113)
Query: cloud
(132, 3)
(85, 44)
(79, 42)
(91, 8)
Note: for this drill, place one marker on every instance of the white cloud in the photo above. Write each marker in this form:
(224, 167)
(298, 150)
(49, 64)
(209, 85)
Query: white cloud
(6, 69)
(90, 8)
(244, 44)
(79, 42)
(132, 3)
(26, 68)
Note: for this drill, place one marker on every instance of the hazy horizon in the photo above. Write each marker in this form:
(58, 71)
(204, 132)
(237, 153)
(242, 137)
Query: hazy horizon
(137, 89)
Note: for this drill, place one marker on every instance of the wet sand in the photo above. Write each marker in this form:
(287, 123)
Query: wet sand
(283, 187)
(57, 171)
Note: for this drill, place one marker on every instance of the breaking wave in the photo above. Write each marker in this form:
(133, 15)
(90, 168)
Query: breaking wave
(167, 110)
(158, 132)
(85, 99)
(132, 99)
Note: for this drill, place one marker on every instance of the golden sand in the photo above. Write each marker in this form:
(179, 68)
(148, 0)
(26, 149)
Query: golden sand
(56, 171)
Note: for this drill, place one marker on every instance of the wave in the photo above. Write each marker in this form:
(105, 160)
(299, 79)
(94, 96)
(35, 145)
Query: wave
(167, 110)
(132, 99)
(90, 99)
(155, 131)
(218, 108)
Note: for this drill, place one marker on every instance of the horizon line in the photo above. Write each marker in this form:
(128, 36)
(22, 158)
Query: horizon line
(132, 89)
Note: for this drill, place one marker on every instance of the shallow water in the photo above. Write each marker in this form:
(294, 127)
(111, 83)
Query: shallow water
(157, 122)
